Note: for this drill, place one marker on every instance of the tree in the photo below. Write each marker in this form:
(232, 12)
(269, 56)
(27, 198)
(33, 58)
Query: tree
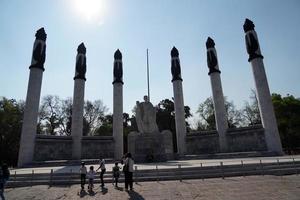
(207, 115)
(66, 120)
(93, 116)
(11, 115)
(287, 111)
(50, 115)
(250, 111)
(106, 127)
(165, 118)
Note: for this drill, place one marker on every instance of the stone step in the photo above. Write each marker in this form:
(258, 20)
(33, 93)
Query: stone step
(249, 154)
(277, 172)
(163, 174)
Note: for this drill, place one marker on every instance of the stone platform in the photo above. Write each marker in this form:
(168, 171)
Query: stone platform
(151, 147)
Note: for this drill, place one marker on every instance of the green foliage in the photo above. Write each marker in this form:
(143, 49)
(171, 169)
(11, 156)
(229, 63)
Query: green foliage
(106, 128)
(165, 118)
(11, 114)
(250, 112)
(287, 111)
(207, 115)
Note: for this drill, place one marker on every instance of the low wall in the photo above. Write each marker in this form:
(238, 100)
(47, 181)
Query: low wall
(60, 147)
(238, 140)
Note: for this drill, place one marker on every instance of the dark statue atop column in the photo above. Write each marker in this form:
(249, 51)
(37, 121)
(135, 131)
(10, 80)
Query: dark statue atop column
(118, 68)
(212, 60)
(80, 62)
(39, 50)
(251, 40)
(175, 67)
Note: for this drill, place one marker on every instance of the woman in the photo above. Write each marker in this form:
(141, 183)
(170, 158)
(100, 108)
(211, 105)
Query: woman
(128, 171)
(103, 170)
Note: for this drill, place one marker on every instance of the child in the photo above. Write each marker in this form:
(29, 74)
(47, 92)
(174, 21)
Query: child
(116, 173)
(83, 172)
(91, 176)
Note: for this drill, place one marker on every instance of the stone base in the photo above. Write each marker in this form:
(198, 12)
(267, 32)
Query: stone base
(247, 139)
(60, 147)
(151, 147)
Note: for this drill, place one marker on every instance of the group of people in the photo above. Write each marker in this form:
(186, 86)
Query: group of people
(127, 163)
(4, 176)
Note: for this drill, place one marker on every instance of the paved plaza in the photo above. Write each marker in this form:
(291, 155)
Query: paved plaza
(237, 188)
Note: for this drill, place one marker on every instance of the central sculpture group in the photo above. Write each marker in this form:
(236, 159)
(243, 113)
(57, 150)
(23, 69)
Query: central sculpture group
(148, 143)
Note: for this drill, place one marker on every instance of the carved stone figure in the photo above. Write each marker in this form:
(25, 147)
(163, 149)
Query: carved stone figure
(251, 40)
(80, 62)
(118, 68)
(146, 116)
(212, 60)
(175, 68)
(39, 50)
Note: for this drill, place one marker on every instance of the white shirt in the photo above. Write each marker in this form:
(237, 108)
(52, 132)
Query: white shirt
(83, 170)
(102, 164)
(130, 163)
(91, 174)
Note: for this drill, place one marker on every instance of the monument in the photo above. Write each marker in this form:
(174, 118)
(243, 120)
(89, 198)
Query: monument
(217, 93)
(78, 102)
(178, 102)
(262, 89)
(30, 119)
(148, 144)
(118, 105)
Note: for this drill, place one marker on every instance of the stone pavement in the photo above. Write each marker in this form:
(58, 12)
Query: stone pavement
(237, 188)
(165, 165)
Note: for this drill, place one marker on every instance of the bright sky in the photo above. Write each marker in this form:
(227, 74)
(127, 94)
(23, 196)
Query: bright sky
(135, 25)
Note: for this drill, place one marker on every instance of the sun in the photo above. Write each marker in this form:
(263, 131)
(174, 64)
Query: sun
(91, 10)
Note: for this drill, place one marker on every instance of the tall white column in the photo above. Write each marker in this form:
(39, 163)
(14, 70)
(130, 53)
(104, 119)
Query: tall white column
(178, 102)
(29, 127)
(118, 105)
(262, 89)
(217, 93)
(78, 102)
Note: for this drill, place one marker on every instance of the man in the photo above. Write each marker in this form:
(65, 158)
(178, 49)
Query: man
(128, 171)
(83, 172)
(103, 169)
(4, 176)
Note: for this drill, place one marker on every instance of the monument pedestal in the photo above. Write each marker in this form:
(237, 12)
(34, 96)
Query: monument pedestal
(151, 147)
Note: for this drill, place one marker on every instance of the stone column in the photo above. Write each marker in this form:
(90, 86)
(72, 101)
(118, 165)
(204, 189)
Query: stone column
(217, 92)
(262, 89)
(118, 105)
(30, 118)
(178, 102)
(78, 102)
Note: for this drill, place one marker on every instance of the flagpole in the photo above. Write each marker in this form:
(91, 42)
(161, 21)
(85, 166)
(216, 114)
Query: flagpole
(148, 76)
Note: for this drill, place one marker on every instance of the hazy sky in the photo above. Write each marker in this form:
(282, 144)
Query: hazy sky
(135, 25)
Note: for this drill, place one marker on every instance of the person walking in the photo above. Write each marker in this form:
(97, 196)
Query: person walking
(83, 172)
(116, 174)
(128, 171)
(91, 175)
(103, 169)
(4, 176)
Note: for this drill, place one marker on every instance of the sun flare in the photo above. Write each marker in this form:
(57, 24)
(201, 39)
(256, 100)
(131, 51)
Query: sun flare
(91, 10)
